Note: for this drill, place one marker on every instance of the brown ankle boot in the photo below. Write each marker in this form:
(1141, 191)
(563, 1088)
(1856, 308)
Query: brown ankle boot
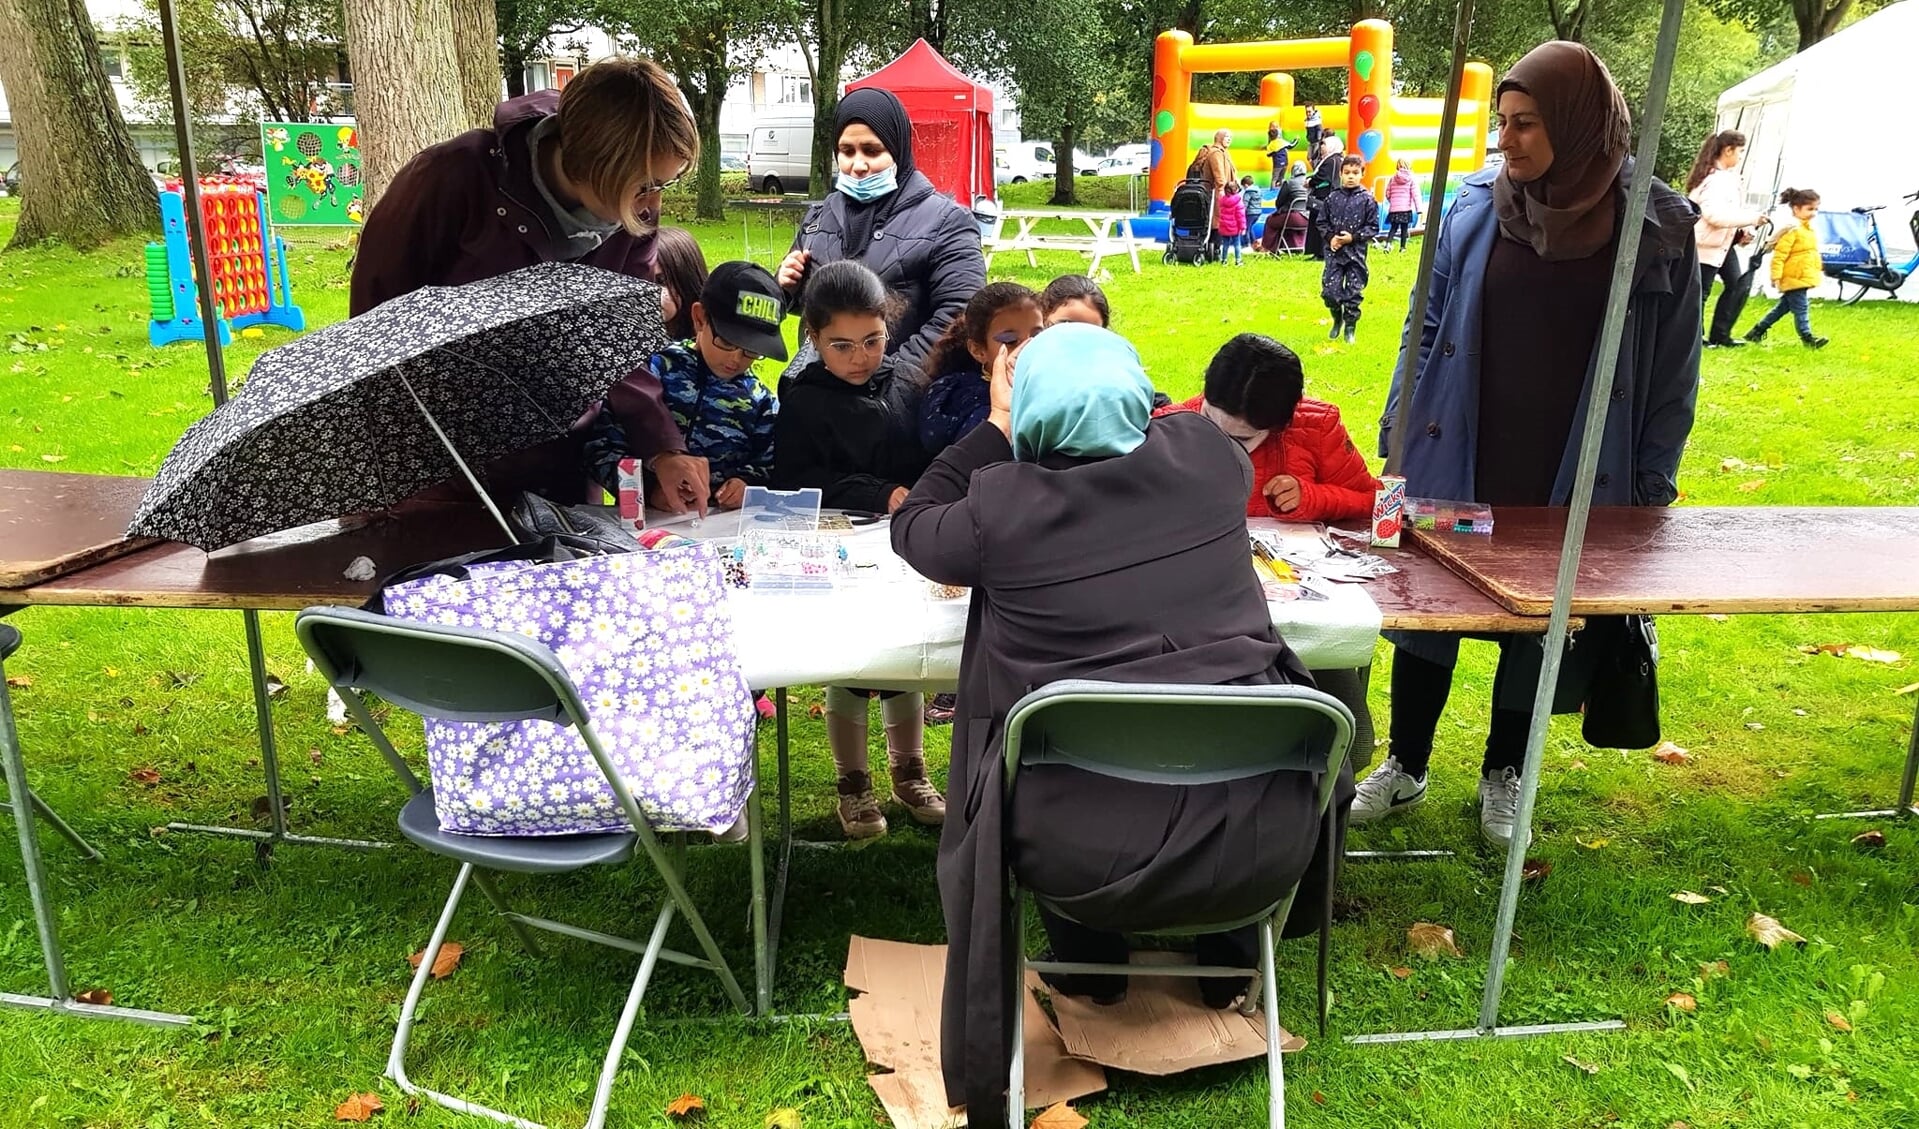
(914, 792)
(859, 810)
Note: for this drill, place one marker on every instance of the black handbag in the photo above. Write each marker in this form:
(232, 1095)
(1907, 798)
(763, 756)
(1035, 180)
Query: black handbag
(1622, 703)
(592, 529)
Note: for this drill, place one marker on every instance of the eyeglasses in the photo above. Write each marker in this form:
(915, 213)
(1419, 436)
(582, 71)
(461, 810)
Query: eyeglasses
(723, 343)
(661, 186)
(847, 350)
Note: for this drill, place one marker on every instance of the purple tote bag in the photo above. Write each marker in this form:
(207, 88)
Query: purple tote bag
(648, 639)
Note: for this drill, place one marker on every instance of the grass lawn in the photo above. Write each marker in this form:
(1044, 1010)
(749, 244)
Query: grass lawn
(297, 971)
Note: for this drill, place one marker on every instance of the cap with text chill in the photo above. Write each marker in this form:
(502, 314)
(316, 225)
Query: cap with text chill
(745, 307)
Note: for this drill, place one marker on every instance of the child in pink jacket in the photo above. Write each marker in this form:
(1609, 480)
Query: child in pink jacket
(1232, 223)
(1402, 203)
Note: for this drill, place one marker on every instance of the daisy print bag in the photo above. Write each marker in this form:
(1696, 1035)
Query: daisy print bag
(648, 639)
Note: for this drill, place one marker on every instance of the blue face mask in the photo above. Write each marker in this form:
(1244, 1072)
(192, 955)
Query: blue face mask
(866, 189)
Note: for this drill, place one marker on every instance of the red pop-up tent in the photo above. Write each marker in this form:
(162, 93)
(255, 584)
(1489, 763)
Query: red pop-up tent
(952, 120)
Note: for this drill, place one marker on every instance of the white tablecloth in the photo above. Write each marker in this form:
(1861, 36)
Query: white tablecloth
(885, 629)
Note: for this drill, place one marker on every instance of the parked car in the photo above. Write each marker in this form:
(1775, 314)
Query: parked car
(1123, 166)
(779, 155)
(732, 162)
(1034, 160)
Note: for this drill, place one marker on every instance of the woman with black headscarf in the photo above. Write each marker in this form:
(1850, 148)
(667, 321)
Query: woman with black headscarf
(1499, 377)
(885, 213)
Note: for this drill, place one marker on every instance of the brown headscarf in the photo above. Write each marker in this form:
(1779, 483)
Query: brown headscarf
(1569, 212)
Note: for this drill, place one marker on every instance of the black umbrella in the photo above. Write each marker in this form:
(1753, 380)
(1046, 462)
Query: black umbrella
(373, 409)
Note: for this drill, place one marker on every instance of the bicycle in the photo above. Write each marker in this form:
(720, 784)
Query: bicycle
(1860, 261)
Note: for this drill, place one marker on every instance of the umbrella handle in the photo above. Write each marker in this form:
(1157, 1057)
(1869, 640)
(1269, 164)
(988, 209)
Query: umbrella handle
(465, 470)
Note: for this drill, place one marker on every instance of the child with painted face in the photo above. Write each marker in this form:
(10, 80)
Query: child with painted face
(849, 425)
(1074, 297)
(721, 408)
(1002, 316)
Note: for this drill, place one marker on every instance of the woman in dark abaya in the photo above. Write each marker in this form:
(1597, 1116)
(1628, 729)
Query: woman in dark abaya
(1099, 543)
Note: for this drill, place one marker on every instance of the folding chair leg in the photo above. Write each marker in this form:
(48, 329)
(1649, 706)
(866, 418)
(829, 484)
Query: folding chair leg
(610, 1069)
(1016, 1073)
(1275, 1071)
(396, 1059)
(527, 941)
(1330, 822)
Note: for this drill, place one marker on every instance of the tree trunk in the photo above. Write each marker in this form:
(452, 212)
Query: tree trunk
(1818, 19)
(1569, 19)
(513, 62)
(1065, 176)
(826, 92)
(83, 179)
(476, 52)
(403, 69)
(705, 101)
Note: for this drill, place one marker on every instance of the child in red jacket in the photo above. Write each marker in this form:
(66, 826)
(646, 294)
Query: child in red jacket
(1305, 466)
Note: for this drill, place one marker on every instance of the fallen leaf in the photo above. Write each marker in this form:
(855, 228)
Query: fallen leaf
(1400, 973)
(1713, 969)
(1432, 941)
(783, 1118)
(147, 776)
(1682, 1001)
(1687, 897)
(1535, 870)
(1679, 1072)
(1869, 840)
(53, 458)
(686, 1106)
(1839, 1022)
(1749, 487)
(1730, 463)
(1800, 713)
(1718, 617)
(1872, 654)
(1060, 1116)
(359, 1107)
(1910, 689)
(1719, 890)
(275, 687)
(1669, 753)
(313, 755)
(1577, 1065)
(19, 681)
(1577, 766)
(444, 963)
(98, 997)
(1801, 878)
(1768, 932)
(1756, 727)
(1679, 1125)
(816, 711)
(1597, 844)
(1319, 1098)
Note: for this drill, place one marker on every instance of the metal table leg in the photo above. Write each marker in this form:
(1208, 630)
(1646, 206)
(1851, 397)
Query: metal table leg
(59, 998)
(265, 841)
(1906, 808)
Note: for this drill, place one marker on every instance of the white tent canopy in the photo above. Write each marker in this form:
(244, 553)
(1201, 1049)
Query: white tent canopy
(1838, 118)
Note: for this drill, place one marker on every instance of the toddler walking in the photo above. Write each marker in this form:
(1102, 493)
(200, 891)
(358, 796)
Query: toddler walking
(1402, 203)
(1796, 269)
(1348, 220)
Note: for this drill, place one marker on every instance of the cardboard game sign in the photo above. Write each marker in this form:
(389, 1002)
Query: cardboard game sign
(314, 176)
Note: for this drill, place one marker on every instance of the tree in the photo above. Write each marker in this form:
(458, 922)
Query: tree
(828, 32)
(278, 55)
(1813, 20)
(403, 68)
(524, 27)
(704, 43)
(84, 182)
(476, 52)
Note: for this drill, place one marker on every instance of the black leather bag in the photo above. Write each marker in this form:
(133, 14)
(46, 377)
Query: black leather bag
(591, 529)
(1622, 703)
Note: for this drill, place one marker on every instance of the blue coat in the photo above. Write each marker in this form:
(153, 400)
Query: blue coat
(1654, 385)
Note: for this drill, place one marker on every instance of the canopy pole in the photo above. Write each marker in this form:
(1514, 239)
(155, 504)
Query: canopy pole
(1429, 242)
(190, 192)
(1599, 399)
(465, 470)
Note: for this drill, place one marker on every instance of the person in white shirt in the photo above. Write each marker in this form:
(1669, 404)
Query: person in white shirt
(1724, 217)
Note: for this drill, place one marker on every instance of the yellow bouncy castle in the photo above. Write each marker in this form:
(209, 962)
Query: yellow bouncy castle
(1374, 123)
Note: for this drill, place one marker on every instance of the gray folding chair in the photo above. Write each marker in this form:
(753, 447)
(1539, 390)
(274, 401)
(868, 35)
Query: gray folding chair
(466, 674)
(1174, 734)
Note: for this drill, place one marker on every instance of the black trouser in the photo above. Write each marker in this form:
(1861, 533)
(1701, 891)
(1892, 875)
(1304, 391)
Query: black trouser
(1072, 941)
(1419, 698)
(1731, 300)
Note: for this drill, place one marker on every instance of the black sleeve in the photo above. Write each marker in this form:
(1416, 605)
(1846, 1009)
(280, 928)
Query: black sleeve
(937, 528)
(804, 455)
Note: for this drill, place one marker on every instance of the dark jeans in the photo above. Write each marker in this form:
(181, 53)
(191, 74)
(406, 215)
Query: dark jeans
(1794, 302)
(1732, 300)
(1420, 689)
(1400, 224)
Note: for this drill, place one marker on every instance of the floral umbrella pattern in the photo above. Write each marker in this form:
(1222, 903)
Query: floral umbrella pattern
(648, 639)
(326, 425)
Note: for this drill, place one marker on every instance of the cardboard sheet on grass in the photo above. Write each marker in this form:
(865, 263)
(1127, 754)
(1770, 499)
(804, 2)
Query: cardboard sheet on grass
(1161, 1028)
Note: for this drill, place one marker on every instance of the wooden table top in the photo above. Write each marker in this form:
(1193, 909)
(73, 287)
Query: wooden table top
(1425, 595)
(53, 523)
(1696, 560)
(278, 572)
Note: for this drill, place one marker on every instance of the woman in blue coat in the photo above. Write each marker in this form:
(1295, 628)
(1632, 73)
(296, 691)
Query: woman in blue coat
(1501, 370)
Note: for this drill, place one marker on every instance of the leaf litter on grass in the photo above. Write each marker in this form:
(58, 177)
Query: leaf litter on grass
(1432, 941)
(1769, 932)
(1059, 1116)
(1669, 753)
(686, 1107)
(359, 1107)
(444, 962)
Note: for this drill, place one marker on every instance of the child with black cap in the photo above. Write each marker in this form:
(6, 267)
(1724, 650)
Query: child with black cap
(725, 413)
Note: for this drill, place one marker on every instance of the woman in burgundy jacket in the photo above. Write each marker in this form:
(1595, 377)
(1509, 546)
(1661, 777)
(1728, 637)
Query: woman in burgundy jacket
(561, 177)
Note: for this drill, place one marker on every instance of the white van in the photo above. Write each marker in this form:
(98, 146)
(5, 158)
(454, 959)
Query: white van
(779, 154)
(1033, 160)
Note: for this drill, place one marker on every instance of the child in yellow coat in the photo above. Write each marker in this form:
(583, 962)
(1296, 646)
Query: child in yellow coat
(1796, 269)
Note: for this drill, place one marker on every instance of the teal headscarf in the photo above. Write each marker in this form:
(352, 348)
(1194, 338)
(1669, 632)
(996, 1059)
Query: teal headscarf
(1079, 390)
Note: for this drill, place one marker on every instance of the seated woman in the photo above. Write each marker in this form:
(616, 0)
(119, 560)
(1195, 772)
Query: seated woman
(1099, 543)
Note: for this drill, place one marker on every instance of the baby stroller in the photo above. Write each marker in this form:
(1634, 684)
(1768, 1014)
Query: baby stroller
(1190, 229)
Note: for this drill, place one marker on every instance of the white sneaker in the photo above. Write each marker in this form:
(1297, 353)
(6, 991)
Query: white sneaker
(1388, 789)
(1499, 806)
